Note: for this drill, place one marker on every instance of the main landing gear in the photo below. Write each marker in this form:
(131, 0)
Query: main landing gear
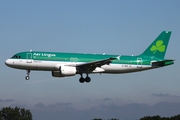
(82, 80)
(27, 77)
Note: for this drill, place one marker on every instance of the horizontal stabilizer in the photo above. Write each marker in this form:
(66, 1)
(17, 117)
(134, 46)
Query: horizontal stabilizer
(162, 63)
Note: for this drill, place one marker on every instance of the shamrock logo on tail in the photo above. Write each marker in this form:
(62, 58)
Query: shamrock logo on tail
(158, 47)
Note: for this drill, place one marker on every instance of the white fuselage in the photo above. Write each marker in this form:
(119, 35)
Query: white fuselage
(30, 64)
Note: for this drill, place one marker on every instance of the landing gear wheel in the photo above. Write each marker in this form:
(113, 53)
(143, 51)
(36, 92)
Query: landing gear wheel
(81, 80)
(87, 79)
(27, 77)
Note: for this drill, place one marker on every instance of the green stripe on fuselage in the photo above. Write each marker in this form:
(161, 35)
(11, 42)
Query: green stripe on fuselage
(80, 57)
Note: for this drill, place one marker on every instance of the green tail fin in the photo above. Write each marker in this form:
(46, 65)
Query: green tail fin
(159, 46)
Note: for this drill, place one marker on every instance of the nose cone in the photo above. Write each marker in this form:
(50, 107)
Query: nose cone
(8, 62)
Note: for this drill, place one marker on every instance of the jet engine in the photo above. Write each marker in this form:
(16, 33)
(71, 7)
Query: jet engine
(64, 71)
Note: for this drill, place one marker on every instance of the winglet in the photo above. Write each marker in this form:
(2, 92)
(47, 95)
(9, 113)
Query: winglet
(118, 57)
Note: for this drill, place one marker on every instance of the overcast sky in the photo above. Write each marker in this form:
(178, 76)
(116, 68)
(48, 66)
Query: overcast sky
(124, 27)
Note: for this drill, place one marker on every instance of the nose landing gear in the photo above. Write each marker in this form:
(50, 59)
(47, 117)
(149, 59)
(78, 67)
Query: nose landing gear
(27, 77)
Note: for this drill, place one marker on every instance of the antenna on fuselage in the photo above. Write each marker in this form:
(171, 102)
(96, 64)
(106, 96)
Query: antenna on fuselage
(31, 50)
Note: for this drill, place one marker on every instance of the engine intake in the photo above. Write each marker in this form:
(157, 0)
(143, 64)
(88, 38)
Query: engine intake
(64, 71)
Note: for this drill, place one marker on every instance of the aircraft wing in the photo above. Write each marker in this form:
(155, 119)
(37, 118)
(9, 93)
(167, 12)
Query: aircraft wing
(91, 66)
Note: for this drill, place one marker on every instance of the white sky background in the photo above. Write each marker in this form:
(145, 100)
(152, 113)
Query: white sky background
(112, 27)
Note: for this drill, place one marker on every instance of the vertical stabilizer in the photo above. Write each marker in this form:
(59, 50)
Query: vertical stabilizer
(159, 46)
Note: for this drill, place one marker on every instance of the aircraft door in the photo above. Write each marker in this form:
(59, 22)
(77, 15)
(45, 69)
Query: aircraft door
(139, 62)
(29, 58)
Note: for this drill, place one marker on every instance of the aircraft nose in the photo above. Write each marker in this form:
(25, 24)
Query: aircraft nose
(8, 62)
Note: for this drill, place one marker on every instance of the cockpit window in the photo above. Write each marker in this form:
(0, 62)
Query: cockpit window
(13, 56)
(16, 56)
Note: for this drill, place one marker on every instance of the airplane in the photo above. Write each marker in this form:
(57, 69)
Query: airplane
(69, 64)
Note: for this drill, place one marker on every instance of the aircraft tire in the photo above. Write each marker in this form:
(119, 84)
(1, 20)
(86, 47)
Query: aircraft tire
(27, 77)
(81, 80)
(88, 79)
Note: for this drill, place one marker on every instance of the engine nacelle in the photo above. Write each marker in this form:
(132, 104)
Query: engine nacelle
(64, 71)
